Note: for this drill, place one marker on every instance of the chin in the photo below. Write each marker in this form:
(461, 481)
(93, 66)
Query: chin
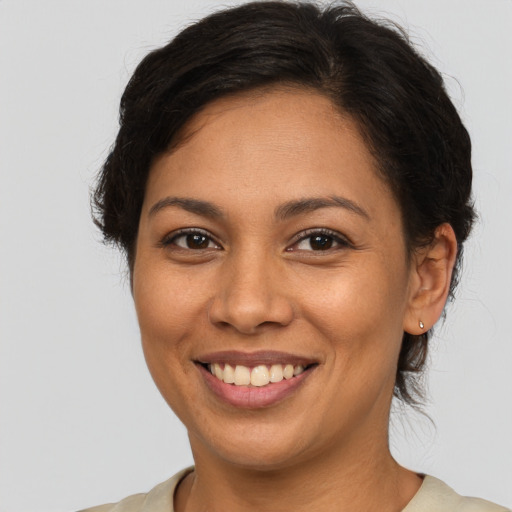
(255, 447)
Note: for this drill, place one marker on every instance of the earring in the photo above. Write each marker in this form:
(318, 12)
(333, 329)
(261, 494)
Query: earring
(421, 324)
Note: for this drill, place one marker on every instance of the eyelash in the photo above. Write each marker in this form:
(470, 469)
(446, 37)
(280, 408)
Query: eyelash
(339, 240)
(170, 239)
(336, 238)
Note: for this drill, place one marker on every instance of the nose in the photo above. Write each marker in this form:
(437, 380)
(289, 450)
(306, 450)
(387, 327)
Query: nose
(251, 296)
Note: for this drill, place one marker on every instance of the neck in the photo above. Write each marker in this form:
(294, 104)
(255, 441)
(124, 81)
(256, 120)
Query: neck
(345, 479)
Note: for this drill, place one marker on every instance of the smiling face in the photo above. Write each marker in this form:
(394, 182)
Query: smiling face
(267, 239)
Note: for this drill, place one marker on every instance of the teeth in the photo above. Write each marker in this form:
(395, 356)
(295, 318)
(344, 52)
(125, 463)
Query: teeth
(288, 371)
(229, 374)
(298, 370)
(242, 376)
(276, 373)
(218, 371)
(259, 376)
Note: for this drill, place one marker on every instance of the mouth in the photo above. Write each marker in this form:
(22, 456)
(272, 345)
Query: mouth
(257, 376)
(254, 380)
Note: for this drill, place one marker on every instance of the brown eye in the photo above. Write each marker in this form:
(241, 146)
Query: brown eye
(192, 240)
(321, 242)
(197, 241)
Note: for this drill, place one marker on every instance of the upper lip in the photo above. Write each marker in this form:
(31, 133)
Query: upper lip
(261, 357)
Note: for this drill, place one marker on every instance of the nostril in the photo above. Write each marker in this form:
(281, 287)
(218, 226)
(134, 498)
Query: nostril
(223, 324)
(250, 314)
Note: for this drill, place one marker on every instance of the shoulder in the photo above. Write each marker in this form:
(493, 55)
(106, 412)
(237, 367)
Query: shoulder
(159, 499)
(435, 496)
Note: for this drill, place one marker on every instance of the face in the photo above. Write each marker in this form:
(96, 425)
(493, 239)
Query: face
(268, 245)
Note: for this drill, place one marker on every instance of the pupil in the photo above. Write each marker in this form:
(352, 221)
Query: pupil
(321, 242)
(197, 241)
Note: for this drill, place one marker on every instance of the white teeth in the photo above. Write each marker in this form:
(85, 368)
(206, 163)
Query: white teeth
(229, 374)
(276, 373)
(298, 370)
(242, 375)
(288, 371)
(259, 376)
(218, 371)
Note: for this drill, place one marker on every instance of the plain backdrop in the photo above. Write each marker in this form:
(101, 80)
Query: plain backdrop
(81, 422)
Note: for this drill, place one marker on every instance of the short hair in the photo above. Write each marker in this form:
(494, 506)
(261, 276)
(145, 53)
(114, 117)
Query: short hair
(367, 68)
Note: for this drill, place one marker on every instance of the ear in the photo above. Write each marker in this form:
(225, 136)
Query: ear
(430, 278)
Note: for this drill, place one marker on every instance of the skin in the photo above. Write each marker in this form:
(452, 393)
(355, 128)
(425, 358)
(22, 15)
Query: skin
(259, 285)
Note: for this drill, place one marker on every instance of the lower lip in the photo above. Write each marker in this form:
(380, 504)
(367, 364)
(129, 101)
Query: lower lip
(253, 397)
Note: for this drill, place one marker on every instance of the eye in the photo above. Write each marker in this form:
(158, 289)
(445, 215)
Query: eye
(319, 240)
(190, 239)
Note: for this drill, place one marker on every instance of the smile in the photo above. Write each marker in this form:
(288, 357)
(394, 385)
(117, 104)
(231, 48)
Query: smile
(254, 380)
(258, 376)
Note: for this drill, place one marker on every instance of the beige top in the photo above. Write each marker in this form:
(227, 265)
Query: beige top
(432, 496)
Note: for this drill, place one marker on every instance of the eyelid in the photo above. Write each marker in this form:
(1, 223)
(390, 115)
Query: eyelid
(169, 238)
(340, 239)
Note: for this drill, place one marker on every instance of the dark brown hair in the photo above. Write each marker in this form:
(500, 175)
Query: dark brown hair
(366, 67)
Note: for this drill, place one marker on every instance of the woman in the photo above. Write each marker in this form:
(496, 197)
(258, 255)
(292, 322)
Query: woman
(292, 188)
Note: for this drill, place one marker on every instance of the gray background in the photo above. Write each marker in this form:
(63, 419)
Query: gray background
(81, 422)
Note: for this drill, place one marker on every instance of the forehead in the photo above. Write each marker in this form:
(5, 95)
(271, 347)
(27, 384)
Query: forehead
(286, 116)
(280, 143)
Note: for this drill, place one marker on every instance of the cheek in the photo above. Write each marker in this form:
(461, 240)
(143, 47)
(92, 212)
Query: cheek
(162, 315)
(164, 299)
(361, 310)
(164, 306)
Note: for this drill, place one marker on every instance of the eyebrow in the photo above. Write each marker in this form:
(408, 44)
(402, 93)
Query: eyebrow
(197, 206)
(310, 204)
(282, 212)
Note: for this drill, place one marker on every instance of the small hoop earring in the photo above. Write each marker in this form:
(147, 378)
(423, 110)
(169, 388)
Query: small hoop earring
(421, 324)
